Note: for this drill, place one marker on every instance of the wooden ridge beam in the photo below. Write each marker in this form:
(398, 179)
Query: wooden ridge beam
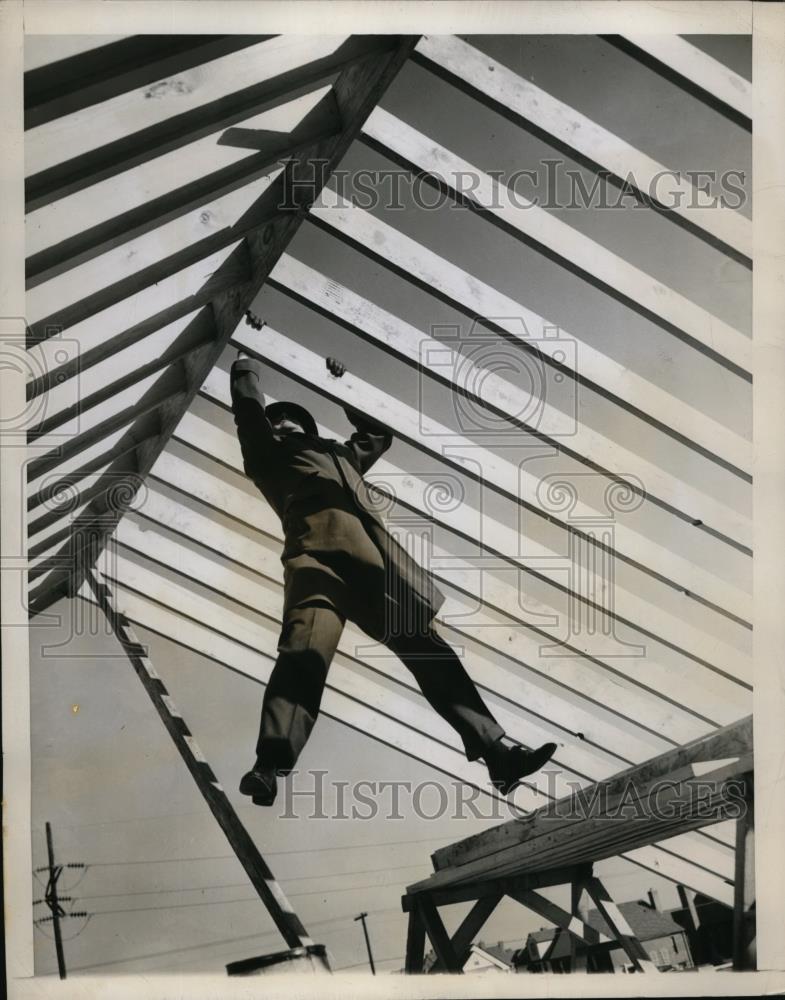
(357, 90)
(695, 71)
(572, 249)
(428, 435)
(500, 313)
(585, 141)
(80, 149)
(85, 79)
(214, 181)
(500, 397)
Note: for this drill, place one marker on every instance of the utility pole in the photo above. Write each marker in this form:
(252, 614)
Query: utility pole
(52, 901)
(362, 917)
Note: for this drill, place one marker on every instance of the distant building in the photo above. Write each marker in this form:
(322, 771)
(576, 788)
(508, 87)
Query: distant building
(665, 940)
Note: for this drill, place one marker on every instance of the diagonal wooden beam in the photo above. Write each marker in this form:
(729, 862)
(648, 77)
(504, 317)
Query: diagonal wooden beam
(619, 926)
(85, 79)
(438, 935)
(526, 104)
(357, 90)
(576, 927)
(694, 70)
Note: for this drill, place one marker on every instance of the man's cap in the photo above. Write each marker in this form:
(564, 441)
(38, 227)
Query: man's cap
(296, 412)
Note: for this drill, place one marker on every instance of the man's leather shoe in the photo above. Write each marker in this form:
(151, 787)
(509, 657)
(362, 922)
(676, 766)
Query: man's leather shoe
(509, 764)
(261, 784)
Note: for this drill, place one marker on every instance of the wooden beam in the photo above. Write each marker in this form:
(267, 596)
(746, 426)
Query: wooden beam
(573, 250)
(694, 70)
(89, 146)
(225, 642)
(415, 942)
(585, 141)
(744, 952)
(143, 210)
(502, 398)
(619, 926)
(260, 875)
(576, 927)
(357, 90)
(733, 741)
(453, 449)
(503, 315)
(88, 78)
(439, 938)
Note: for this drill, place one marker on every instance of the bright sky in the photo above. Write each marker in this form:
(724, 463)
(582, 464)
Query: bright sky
(165, 891)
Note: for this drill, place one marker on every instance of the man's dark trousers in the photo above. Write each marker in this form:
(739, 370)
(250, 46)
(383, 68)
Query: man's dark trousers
(313, 621)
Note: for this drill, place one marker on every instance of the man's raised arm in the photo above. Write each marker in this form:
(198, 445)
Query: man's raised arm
(253, 427)
(370, 440)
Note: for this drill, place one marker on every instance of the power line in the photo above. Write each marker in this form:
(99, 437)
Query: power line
(227, 857)
(240, 885)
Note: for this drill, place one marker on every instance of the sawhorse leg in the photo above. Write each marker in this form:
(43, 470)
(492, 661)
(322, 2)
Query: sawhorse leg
(620, 929)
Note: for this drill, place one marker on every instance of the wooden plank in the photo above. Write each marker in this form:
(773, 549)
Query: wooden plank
(357, 89)
(581, 255)
(234, 651)
(80, 149)
(619, 926)
(434, 438)
(542, 605)
(730, 741)
(503, 398)
(186, 179)
(526, 103)
(605, 694)
(439, 938)
(84, 79)
(243, 846)
(502, 314)
(415, 942)
(694, 70)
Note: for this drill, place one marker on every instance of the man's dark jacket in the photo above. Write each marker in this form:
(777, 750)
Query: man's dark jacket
(316, 488)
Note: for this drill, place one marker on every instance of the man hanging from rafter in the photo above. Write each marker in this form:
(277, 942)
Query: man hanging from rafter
(340, 563)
